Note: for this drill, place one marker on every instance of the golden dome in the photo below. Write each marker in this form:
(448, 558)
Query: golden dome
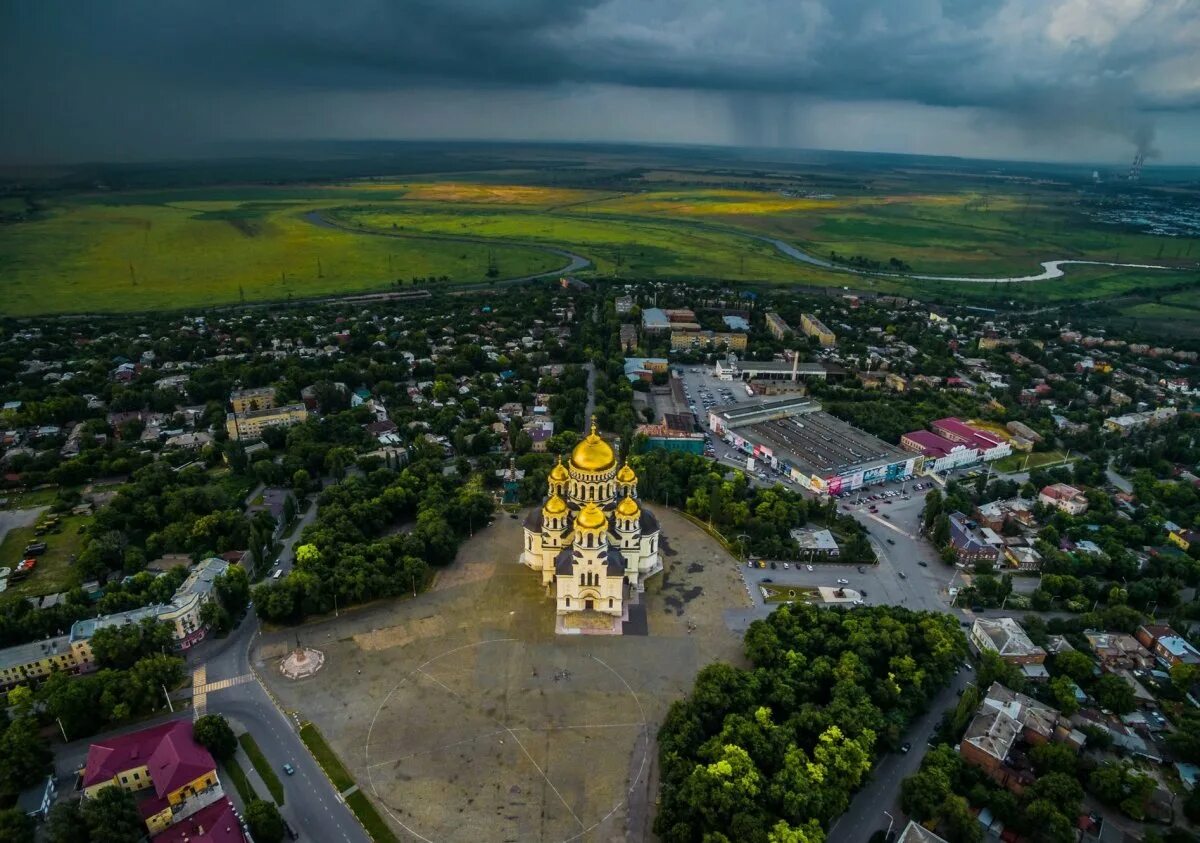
(558, 473)
(555, 506)
(591, 517)
(626, 475)
(628, 508)
(593, 453)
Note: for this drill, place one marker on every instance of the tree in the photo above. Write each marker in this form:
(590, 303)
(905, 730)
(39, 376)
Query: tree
(1114, 694)
(289, 509)
(958, 822)
(1074, 664)
(1063, 691)
(65, 824)
(1050, 758)
(266, 826)
(123, 645)
(112, 816)
(1183, 676)
(1119, 784)
(213, 732)
(16, 826)
(24, 755)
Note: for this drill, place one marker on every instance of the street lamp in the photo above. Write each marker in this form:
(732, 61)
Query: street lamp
(891, 822)
(741, 537)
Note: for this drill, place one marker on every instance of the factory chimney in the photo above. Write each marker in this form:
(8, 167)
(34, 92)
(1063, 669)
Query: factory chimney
(1135, 171)
(795, 365)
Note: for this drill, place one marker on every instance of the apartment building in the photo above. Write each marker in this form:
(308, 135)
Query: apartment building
(248, 426)
(814, 327)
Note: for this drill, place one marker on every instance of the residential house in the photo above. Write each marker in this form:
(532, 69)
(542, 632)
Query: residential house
(1005, 723)
(1118, 650)
(1167, 645)
(1006, 638)
(971, 543)
(165, 759)
(1064, 498)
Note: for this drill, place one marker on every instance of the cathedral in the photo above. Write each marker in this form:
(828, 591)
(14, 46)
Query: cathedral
(591, 541)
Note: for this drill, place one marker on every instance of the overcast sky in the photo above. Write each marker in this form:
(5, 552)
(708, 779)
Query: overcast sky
(1077, 80)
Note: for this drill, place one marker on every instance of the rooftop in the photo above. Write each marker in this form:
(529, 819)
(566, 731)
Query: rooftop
(1005, 636)
(34, 651)
(215, 823)
(168, 751)
(916, 833)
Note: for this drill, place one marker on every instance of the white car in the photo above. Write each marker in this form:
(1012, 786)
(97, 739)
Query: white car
(810, 567)
(786, 566)
(843, 582)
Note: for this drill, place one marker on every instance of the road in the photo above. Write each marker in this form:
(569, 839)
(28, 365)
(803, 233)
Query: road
(286, 557)
(311, 806)
(881, 793)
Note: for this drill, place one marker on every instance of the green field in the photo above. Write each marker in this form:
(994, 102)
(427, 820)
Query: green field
(146, 250)
(53, 572)
(1027, 462)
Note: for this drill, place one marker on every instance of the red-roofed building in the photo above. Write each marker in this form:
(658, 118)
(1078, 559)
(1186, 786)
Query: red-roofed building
(941, 454)
(1064, 498)
(165, 758)
(215, 824)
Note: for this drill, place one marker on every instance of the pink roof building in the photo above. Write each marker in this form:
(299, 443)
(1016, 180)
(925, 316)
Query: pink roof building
(215, 824)
(169, 752)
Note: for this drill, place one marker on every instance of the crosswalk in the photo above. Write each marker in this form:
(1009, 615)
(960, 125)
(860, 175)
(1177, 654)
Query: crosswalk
(201, 688)
(221, 684)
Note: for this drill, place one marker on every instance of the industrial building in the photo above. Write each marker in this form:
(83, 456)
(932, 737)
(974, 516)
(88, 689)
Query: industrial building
(818, 451)
(732, 369)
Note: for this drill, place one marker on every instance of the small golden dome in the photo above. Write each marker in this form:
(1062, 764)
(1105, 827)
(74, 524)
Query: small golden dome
(626, 475)
(628, 508)
(593, 453)
(591, 517)
(555, 506)
(558, 473)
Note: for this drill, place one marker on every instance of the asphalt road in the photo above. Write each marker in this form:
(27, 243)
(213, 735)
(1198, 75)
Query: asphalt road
(880, 796)
(311, 805)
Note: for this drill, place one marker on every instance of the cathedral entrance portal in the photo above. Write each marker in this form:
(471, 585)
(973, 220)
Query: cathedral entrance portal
(589, 604)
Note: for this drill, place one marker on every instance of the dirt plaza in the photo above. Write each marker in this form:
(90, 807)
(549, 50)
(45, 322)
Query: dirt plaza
(464, 717)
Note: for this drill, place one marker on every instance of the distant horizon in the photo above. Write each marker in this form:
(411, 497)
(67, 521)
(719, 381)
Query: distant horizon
(211, 151)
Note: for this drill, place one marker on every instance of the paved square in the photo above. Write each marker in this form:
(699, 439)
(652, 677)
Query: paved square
(466, 718)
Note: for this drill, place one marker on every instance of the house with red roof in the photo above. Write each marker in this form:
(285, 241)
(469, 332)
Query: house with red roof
(216, 823)
(164, 759)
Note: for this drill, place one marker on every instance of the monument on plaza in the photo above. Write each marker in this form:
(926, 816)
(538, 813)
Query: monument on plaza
(591, 541)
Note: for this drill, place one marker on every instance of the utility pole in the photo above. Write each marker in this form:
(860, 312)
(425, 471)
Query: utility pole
(63, 728)
(167, 697)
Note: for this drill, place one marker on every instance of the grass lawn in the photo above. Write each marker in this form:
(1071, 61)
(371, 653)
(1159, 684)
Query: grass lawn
(369, 817)
(53, 572)
(1037, 459)
(27, 500)
(325, 757)
(787, 593)
(233, 771)
(255, 754)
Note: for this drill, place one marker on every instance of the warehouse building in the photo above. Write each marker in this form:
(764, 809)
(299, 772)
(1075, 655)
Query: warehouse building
(816, 450)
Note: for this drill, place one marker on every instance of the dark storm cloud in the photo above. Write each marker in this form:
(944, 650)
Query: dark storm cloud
(169, 68)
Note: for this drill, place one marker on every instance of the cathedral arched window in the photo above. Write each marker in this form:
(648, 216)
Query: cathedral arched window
(610, 602)
(568, 602)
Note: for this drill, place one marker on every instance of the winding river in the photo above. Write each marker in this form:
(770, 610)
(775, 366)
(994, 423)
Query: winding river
(1050, 269)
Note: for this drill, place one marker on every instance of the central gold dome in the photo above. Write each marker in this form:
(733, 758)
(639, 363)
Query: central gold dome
(593, 453)
(591, 517)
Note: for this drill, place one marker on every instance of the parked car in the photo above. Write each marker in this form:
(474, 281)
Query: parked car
(843, 582)
(810, 567)
(35, 549)
(891, 541)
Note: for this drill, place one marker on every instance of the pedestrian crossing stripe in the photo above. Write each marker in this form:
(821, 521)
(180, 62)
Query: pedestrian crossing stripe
(221, 684)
